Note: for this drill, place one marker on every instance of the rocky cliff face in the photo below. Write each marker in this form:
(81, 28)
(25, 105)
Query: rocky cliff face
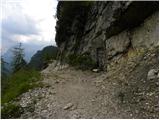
(104, 30)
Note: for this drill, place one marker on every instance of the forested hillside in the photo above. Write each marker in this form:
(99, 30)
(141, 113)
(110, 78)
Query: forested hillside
(41, 59)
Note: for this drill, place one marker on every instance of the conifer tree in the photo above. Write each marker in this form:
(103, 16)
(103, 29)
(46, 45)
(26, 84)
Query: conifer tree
(18, 58)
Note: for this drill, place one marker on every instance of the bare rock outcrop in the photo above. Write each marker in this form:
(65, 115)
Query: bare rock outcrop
(106, 29)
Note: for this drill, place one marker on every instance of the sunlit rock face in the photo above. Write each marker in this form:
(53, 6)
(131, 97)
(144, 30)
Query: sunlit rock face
(107, 29)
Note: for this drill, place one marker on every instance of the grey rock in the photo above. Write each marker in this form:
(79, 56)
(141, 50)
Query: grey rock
(69, 105)
(152, 74)
(95, 70)
(147, 35)
(117, 44)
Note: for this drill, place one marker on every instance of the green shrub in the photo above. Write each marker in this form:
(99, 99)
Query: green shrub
(11, 111)
(83, 61)
(18, 83)
(72, 59)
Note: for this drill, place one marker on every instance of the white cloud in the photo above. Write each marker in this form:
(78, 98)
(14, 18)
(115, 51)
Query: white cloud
(29, 21)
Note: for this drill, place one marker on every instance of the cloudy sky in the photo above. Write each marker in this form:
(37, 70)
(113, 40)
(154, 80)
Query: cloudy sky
(31, 22)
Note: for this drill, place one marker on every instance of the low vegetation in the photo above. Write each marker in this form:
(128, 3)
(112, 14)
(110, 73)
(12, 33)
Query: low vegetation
(11, 111)
(83, 61)
(19, 83)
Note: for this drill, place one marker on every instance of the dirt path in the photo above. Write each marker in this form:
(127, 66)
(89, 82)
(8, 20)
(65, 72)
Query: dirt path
(72, 93)
(71, 87)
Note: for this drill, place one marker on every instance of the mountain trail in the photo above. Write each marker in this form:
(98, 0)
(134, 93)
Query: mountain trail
(124, 91)
(71, 93)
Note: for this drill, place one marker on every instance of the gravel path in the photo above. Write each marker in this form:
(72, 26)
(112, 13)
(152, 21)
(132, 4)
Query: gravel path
(70, 93)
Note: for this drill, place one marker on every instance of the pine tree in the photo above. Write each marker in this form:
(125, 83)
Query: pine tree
(18, 58)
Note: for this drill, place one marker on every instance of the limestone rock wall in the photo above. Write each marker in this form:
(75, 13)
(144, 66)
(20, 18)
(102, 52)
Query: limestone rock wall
(146, 35)
(111, 28)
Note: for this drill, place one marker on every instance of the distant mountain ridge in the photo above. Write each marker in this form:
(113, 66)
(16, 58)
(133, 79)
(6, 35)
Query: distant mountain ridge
(41, 59)
(30, 56)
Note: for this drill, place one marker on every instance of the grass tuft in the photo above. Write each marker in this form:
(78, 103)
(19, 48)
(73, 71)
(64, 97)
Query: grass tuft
(11, 111)
(19, 83)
